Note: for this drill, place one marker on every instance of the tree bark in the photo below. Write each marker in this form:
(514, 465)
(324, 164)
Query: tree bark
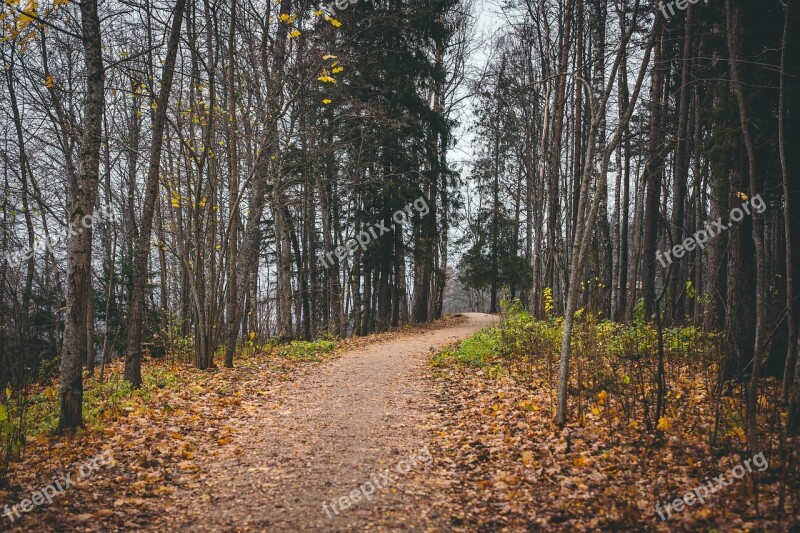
(79, 245)
(732, 20)
(133, 349)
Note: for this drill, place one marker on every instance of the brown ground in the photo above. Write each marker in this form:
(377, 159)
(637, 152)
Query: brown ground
(319, 438)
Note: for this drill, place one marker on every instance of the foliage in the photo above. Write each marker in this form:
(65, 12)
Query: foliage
(605, 471)
(305, 350)
(478, 350)
(479, 266)
(617, 360)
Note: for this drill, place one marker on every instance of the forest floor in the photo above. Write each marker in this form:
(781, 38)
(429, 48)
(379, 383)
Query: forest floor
(382, 433)
(270, 445)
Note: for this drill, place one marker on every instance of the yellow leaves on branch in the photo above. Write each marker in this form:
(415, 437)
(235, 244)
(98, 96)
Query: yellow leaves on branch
(288, 19)
(28, 15)
(327, 101)
(663, 424)
(176, 201)
(335, 23)
(295, 34)
(49, 82)
(325, 78)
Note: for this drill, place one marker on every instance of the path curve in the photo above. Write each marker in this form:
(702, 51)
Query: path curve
(329, 432)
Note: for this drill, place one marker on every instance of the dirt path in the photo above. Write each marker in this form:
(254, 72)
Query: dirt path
(348, 424)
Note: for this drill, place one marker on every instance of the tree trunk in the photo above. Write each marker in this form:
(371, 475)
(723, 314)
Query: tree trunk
(791, 355)
(133, 349)
(79, 246)
(232, 314)
(655, 170)
(681, 167)
(733, 31)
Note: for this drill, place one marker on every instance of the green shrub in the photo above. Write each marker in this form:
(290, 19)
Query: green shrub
(611, 359)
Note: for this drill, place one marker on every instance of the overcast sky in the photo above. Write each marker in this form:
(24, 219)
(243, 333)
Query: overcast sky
(487, 23)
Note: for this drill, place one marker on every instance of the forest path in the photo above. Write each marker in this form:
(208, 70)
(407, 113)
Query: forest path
(335, 429)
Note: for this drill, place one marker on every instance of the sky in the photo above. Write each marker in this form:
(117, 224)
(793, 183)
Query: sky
(487, 23)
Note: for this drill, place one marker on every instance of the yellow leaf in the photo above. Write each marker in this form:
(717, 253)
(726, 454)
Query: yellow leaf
(738, 433)
(326, 79)
(49, 82)
(335, 23)
(337, 70)
(602, 396)
(663, 424)
(327, 101)
(527, 458)
(28, 14)
(329, 56)
(295, 34)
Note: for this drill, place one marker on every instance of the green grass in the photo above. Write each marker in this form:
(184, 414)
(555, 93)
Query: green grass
(305, 350)
(99, 400)
(479, 350)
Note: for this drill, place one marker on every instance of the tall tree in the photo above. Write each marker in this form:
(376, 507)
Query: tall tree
(133, 357)
(83, 196)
